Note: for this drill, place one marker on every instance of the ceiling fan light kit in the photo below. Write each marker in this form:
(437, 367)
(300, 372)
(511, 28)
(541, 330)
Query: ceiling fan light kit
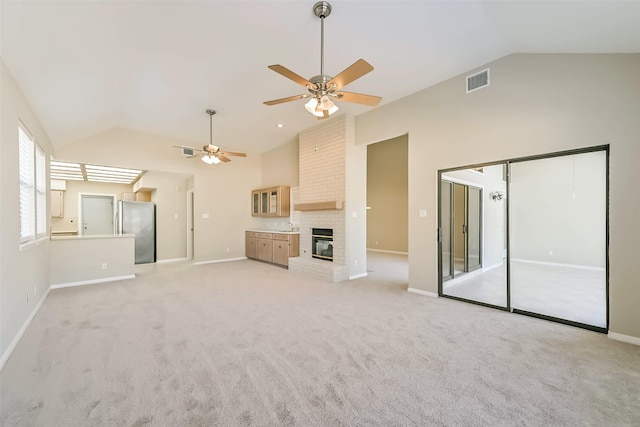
(210, 160)
(211, 154)
(322, 88)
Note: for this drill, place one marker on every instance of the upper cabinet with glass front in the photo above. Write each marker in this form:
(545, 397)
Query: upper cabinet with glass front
(255, 203)
(272, 201)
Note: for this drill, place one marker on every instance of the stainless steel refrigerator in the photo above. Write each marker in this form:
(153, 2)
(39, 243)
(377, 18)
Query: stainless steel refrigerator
(139, 218)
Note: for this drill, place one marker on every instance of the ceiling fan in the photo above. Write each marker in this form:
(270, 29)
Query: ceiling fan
(211, 154)
(322, 88)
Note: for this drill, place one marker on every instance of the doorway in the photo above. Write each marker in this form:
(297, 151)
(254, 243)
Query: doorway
(97, 214)
(387, 209)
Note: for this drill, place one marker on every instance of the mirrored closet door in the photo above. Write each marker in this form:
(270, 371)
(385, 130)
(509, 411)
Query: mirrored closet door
(529, 235)
(558, 237)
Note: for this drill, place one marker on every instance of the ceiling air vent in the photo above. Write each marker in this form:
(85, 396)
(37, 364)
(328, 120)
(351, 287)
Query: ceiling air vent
(478, 80)
(188, 151)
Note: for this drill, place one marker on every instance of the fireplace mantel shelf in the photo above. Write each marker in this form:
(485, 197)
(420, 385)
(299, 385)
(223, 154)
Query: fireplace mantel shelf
(319, 206)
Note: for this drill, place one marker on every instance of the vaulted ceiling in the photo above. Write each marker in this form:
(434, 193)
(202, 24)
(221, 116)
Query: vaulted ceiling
(155, 66)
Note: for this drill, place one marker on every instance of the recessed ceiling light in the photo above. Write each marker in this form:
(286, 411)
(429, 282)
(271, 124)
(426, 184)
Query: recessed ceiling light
(280, 125)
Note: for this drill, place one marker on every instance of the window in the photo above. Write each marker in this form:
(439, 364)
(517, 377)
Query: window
(33, 186)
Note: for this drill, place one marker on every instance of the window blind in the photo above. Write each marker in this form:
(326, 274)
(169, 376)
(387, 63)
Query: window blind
(41, 193)
(27, 187)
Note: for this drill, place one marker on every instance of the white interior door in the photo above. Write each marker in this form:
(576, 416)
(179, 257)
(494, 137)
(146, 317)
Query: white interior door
(97, 214)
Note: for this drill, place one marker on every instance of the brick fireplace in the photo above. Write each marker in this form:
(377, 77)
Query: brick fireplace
(321, 197)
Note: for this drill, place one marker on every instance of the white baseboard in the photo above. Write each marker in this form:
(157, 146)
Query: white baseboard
(387, 252)
(162, 261)
(92, 282)
(421, 292)
(23, 329)
(213, 261)
(357, 276)
(624, 338)
(557, 264)
(491, 267)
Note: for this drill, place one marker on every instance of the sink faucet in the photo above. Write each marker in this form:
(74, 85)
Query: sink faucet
(290, 225)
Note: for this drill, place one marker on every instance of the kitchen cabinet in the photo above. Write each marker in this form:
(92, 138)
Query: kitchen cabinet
(264, 202)
(57, 204)
(255, 203)
(284, 247)
(251, 245)
(272, 201)
(275, 248)
(265, 247)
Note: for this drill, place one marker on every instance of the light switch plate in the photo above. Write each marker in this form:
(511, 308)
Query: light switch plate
(205, 216)
(422, 213)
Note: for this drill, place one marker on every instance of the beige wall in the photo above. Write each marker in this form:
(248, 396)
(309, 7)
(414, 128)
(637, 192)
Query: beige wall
(220, 191)
(387, 195)
(76, 260)
(558, 210)
(24, 274)
(536, 104)
(280, 165)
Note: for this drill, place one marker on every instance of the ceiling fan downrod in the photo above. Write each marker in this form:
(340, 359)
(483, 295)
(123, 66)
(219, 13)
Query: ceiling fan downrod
(210, 113)
(322, 9)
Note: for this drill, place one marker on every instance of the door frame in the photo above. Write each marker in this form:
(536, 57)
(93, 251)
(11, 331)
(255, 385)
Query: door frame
(80, 210)
(190, 224)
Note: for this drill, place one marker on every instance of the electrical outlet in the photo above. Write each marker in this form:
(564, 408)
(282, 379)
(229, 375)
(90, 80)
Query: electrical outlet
(104, 265)
(551, 253)
(228, 250)
(355, 262)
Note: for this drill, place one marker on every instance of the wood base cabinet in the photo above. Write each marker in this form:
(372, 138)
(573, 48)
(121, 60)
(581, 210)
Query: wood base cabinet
(251, 246)
(265, 248)
(275, 248)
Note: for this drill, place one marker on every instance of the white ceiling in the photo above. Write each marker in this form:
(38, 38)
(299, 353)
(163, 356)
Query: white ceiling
(155, 66)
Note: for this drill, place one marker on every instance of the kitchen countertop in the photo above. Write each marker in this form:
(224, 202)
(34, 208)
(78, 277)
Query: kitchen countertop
(276, 231)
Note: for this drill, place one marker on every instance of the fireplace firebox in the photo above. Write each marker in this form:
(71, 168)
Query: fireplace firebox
(322, 243)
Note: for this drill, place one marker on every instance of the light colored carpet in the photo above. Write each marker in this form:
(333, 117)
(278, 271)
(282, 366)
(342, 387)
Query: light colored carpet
(245, 343)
